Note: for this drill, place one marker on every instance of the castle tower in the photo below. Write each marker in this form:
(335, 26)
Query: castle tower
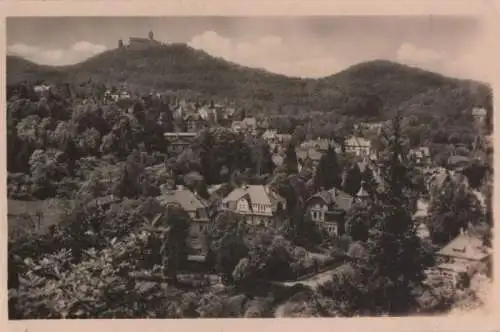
(151, 36)
(120, 43)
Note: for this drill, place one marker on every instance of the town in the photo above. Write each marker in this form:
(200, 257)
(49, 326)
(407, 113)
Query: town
(126, 203)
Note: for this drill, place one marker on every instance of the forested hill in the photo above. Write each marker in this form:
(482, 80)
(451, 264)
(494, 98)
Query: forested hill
(368, 90)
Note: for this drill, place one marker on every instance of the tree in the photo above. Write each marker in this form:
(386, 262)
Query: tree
(451, 211)
(174, 243)
(219, 149)
(352, 183)
(358, 222)
(290, 161)
(130, 184)
(328, 173)
(306, 233)
(270, 257)
(395, 260)
(224, 238)
(368, 181)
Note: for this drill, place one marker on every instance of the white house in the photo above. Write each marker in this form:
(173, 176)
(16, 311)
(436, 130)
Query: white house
(358, 145)
(464, 254)
(257, 203)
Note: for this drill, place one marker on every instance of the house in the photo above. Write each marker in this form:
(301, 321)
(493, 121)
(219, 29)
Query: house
(178, 141)
(42, 90)
(257, 203)
(283, 138)
(320, 145)
(440, 177)
(276, 142)
(138, 43)
(194, 122)
(195, 206)
(464, 254)
(367, 163)
(421, 155)
(308, 157)
(358, 145)
(328, 208)
(269, 135)
(479, 115)
(250, 124)
(423, 231)
(263, 123)
(247, 125)
(420, 218)
(362, 194)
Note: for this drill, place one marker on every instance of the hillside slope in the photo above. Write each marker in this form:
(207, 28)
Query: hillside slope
(370, 89)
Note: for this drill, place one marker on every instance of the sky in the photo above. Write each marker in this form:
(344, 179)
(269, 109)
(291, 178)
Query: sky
(295, 46)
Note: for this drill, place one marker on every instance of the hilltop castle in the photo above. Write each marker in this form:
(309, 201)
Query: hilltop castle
(139, 42)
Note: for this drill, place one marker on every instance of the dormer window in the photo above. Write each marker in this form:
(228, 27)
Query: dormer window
(459, 249)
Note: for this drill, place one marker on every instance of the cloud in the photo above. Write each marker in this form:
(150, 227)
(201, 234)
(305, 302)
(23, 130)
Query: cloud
(422, 57)
(88, 47)
(76, 53)
(268, 52)
(465, 65)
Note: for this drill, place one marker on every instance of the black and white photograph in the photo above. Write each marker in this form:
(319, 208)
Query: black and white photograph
(248, 167)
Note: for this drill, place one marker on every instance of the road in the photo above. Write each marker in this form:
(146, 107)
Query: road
(313, 282)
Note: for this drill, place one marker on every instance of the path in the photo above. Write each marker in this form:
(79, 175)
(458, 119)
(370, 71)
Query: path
(312, 282)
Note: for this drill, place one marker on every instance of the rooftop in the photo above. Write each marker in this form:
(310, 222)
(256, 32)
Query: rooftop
(336, 197)
(357, 141)
(465, 246)
(183, 196)
(258, 194)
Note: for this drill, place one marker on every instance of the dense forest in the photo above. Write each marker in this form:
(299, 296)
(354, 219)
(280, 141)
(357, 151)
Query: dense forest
(373, 89)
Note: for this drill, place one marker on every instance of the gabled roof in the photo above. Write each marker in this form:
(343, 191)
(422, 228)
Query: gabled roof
(250, 122)
(358, 141)
(465, 246)
(256, 193)
(318, 144)
(185, 197)
(421, 152)
(308, 153)
(270, 133)
(204, 112)
(362, 193)
(339, 198)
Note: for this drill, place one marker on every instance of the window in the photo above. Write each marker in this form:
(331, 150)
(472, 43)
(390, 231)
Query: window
(313, 215)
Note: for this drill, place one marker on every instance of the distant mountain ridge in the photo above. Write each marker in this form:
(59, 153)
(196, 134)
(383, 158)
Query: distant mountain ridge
(369, 89)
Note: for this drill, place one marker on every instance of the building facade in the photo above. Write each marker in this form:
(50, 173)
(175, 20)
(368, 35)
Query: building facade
(258, 204)
(178, 142)
(328, 209)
